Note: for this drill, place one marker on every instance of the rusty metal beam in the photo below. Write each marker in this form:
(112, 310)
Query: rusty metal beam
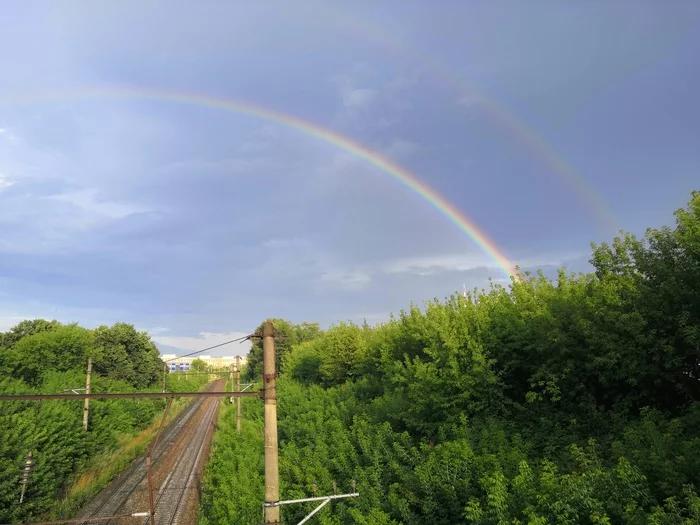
(87, 520)
(48, 397)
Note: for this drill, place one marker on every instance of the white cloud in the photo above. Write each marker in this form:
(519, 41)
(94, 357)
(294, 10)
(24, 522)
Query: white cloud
(5, 181)
(6, 134)
(12, 311)
(468, 100)
(371, 318)
(8, 321)
(339, 164)
(468, 261)
(225, 166)
(358, 278)
(87, 200)
(330, 175)
(255, 146)
(386, 122)
(206, 339)
(437, 263)
(346, 279)
(401, 149)
(292, 242)
(154, 331)
(358, 98)
(539, 261)
(370, 100)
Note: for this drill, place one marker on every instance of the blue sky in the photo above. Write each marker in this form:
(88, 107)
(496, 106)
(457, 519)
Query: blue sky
(196, 224)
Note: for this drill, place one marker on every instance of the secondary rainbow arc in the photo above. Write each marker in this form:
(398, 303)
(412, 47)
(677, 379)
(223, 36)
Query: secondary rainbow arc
(358, 150)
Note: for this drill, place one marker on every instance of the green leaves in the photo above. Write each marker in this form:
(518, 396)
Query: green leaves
(61, 349)
(48, 357)
(288, 335)
(124, 353)
(573, 400)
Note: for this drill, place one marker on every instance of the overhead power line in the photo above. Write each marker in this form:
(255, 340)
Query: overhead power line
(209, 348)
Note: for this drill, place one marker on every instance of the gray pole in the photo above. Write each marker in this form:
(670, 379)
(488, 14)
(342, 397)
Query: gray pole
(238, 389)
(272, 491)
(231, 377)
(86, 408)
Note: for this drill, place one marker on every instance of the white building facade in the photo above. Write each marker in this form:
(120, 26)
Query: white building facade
(183, 364)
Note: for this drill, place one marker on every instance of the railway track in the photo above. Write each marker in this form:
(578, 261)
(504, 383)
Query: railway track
(180, 482)
(184, 441)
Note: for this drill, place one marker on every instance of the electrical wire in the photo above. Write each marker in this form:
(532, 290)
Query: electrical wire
(209, 348)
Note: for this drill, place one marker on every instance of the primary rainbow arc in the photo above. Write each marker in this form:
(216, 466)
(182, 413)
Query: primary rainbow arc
(374, 158)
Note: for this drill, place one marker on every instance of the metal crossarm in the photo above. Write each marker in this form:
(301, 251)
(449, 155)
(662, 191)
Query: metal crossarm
(39, 397)
(323, 499)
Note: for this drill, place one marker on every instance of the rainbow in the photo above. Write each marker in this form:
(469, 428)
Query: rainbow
(527, 136)
(373, 158)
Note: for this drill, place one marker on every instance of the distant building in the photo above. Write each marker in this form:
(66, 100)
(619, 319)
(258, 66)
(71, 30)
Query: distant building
(182, 364)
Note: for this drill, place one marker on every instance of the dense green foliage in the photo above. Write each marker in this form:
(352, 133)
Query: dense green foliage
(236, 467)
(288, 335)
(46, 357)
(566, 401)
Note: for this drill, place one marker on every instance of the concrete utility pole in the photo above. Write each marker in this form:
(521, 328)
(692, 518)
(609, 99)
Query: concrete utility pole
(165, 370)
(272, 487)
(238, 389)
(231, 368)
(86, 408)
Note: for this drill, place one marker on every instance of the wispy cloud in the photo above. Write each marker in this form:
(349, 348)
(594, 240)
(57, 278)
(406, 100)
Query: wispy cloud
(345, 279)
(468, 101)
(400, 149)
(236, 165)
(470, 261)
(155, 330)
(5, 181)
(89, 200)
(6, 134)
(358, 98)
(438, 263)
(13, 310)
(368, 101)
(283, 243)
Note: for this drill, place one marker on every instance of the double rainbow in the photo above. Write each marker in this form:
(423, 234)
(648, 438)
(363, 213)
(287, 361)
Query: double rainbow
(371, 157)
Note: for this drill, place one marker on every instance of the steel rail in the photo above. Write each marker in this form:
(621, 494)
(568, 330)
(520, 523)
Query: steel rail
(166, 483)
(175, 519)
(171, 432)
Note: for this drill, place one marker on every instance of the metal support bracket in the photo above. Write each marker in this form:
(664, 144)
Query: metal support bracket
(74, 390)
(323, 499)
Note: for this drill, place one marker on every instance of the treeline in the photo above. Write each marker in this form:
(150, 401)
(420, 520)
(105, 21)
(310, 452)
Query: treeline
(39, 356)
(566, 401)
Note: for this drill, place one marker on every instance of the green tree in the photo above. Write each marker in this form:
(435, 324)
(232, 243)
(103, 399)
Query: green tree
(567, 400)
(287, 335)
(26, 328)
(61, 349)
(52, 359)
(122, 352)
(199, 366)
